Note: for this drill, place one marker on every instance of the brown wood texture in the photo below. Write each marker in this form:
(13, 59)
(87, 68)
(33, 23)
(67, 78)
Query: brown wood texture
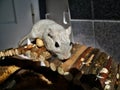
(66, 74)
(82, 58)
(68, 63)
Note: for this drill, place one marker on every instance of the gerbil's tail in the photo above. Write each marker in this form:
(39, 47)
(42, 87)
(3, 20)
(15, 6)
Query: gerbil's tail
(20, 43)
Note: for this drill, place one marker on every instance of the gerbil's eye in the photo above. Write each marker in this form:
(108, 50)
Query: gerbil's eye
(50, 35)
(56, 44)
(71, 43)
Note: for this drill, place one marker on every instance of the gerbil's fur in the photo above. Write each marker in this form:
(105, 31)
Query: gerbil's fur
(55, 37)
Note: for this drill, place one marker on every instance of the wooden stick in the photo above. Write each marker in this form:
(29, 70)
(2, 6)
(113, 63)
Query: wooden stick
(89, 60)
(88, 56)
(16, 51)
(86, 65)
(96, 53)
(6, 71)
(45, 79)
(98, 62)
(105, 71)
(68, 64)
(31, 51)
(82, 58)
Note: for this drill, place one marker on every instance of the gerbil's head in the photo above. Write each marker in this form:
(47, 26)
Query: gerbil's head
(57, 40)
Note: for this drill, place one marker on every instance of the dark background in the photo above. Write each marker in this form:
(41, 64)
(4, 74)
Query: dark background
(95, 9)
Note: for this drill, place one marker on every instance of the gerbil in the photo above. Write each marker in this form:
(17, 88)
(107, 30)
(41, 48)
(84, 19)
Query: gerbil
(55, 37)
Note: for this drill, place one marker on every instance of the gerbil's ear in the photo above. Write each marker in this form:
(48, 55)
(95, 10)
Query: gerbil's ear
(68, 30)
(50, 31)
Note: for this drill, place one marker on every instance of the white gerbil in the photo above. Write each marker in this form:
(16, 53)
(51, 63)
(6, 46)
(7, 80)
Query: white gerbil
(55, 37)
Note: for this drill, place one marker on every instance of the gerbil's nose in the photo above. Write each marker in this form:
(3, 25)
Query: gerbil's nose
(66, 56)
